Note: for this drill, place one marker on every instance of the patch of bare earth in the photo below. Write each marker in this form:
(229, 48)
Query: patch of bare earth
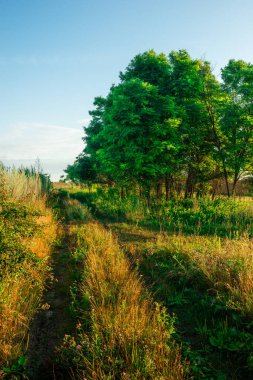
(53, 320)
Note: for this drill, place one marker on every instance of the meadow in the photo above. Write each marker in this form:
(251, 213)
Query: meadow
(127, 290)
(195, 258)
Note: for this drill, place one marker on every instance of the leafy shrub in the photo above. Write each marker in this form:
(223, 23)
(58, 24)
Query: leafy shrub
(16, 223)
(222, 217)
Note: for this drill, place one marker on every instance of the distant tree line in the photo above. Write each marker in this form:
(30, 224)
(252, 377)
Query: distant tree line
(170, 122)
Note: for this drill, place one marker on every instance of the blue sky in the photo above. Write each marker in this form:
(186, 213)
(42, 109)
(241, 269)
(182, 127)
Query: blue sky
(57, 55)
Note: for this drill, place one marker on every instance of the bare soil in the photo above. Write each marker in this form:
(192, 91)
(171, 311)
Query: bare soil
(53, 320)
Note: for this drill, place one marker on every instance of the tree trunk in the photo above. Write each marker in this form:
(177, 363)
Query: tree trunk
(148, 198)
(158, 190)
(236, 178)
(167, 187)
(226, 180)
(147, 194)
(214, 189)
(189, 189)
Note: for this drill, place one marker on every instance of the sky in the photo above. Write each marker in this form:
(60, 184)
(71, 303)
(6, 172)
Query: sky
(57, 55)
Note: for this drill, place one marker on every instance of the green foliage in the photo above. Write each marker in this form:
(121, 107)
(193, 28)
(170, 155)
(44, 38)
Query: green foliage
(216, 340)
(81, 171)
(151, 68)
(75, 211)
(237, 119)
(170, 118)
(222, 217)
(138, 137)
(18, 370)
(16, 223)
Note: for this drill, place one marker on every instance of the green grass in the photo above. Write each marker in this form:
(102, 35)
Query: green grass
(195, 256)
(222, 217)
(121, 333)
(207, 283)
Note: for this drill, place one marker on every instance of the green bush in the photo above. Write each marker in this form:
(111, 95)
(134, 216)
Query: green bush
(16, 224)
(222, 217)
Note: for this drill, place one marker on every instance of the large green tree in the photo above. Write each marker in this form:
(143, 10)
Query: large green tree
(150, 67)
(186, 85)
(237, 118)
(139, 135)
(170, 117)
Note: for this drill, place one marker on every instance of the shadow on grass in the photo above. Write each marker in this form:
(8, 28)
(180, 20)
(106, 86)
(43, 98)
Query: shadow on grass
(217, 341)
(209, 218)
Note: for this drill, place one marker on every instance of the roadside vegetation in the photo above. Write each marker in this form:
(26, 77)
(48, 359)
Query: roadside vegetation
(121, 333)
(200, 270)
(223, 216)
(27, 233)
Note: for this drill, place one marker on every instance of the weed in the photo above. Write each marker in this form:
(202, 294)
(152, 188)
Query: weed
(129, 336)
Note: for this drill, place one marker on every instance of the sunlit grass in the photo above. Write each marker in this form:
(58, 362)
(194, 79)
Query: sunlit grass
(223, 217)
(129, 336)
(23, 184)
(207, 282)
(227, 265)
(27, 232)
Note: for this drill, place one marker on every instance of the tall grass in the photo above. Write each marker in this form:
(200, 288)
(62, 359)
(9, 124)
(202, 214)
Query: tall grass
(222, 217)
(27, 233)
(21, 288)
(227, 265)
(23, 184)
(208, 282)
(129, 337)
(20, 297)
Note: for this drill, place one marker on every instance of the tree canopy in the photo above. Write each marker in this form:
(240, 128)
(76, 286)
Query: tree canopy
(170, 120)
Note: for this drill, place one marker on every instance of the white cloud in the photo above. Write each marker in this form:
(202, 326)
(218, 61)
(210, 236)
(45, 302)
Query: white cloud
(56, 146)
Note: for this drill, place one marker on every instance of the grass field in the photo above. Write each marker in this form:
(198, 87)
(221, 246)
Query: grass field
(98, 287)
(195, 257)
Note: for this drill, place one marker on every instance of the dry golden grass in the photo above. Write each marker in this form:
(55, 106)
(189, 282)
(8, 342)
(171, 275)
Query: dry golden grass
(22, 285)
(21, 292)
(20, 297)
(40, 244)
(130, 332)
(17, 185)
(226, 264)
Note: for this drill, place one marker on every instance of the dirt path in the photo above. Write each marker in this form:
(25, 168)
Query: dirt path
(53, 321)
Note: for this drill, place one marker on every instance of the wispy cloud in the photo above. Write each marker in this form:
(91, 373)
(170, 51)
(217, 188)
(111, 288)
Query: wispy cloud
(54, 145)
